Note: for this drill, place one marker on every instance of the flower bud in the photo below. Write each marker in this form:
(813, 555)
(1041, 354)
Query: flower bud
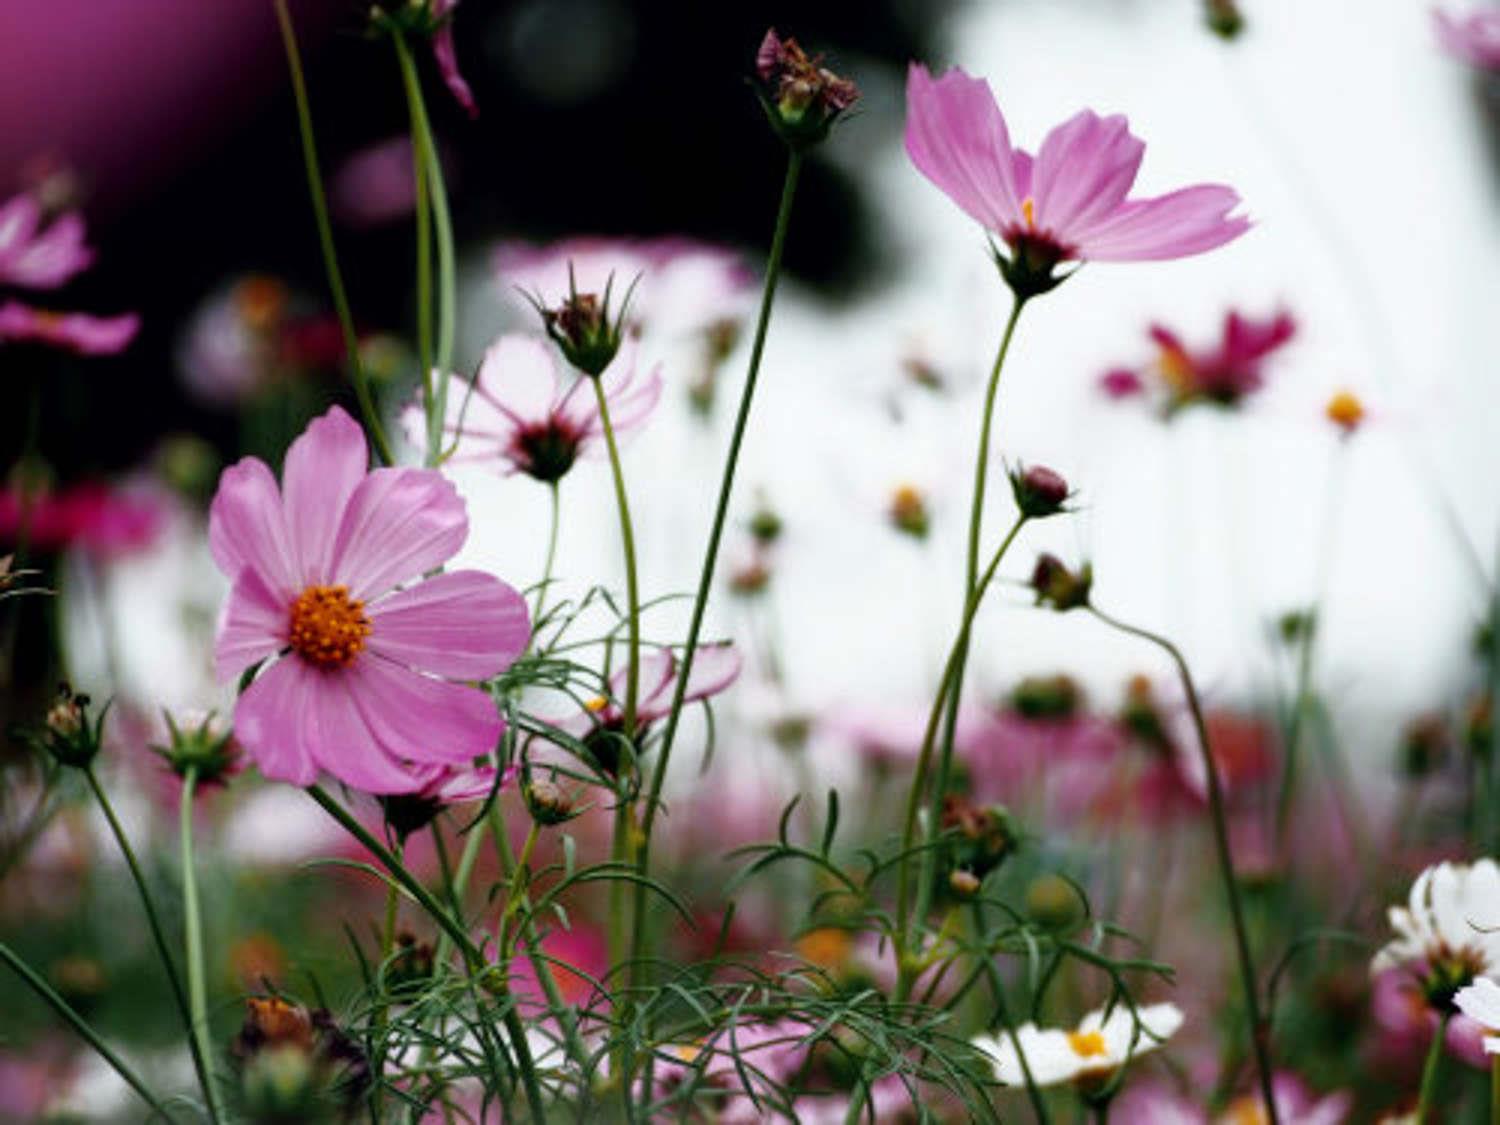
(67, 733)
(548, 803)
(963, 883)
(802, 99)
(1039, 491)
(1424, 745)
(1223, 18)
(979, 838)
(1479, 726)
(765, 526)
(411, 965)
(908, 512)
(296, 1065)
(582, 326)
(1046, 697)
(1345, 411)
(1054, 903)
(207, 748)
(1057, 586)
(750, 579)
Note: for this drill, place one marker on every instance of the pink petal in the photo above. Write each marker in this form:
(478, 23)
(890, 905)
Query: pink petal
(254, 626)
(19, 216)
(425, 720)
(246, 528)
(956, 136)
(322, 469)
(1184, 222)
(447, 61)
(519, 376)
(1083, 171)
(268, 721)
(399, 523)
(51, 259)
(658, 673)
(464, 625)
(341, 740)
(715, 667)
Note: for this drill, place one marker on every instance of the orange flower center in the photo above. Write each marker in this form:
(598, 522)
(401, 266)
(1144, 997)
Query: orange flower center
(328, 627)
(1345, 411)
(1028, 208)
(1087, 1044)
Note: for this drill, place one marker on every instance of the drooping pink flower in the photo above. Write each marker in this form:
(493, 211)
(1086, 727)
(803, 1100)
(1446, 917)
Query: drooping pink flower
(685, 287)
(526, 414)
(34, 257)
(1473, 39)
(362, 684)
(71, 331)
(446, 56)
(1069, 201)
(91, 516)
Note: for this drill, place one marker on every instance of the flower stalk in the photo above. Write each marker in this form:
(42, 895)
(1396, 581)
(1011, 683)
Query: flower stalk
(193, 938)
(1431, 1068)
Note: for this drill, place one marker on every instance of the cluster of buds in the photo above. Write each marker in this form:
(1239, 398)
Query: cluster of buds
(207, 748)
(979, 839)
(68, 733)
(801, 97)
(908, 512)
(296, 1065)
(582, 326)
(1039, 491)
(1057, 586)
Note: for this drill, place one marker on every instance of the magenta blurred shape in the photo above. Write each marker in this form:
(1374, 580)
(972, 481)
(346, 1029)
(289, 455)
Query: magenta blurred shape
(1473, 38)
(35, 253)
(70, 331)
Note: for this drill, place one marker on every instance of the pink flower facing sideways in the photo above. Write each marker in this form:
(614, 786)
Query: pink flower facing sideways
(527, 414)
(1068, 203)
(360, 683)
(1223, 374)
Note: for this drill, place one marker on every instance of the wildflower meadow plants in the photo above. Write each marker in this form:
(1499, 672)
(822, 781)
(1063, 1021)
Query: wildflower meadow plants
(504, 899)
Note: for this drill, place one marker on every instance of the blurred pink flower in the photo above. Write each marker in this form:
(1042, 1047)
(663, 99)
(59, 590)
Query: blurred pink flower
(526, 414)
(315, 567)
(1227, 372)
(71, 331)
(1474, 38)
(1121, 382)
(375, 185)
(91, 516)
(685, 287)
(1153, 1103)
(889, 737)
(447, 57)
(35, 258)
(1405, 1022)
(1067, 203)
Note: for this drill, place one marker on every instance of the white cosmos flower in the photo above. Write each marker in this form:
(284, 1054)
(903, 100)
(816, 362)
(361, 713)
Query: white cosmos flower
(1451, 922)
(1480, 1001)
(1097, 1046)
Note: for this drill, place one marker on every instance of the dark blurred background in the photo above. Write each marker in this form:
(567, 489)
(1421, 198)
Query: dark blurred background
(173, 121)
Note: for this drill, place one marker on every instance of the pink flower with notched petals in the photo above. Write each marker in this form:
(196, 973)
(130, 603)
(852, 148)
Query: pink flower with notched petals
(32, 257)
(71, 331)
(1069, 201)
(526, 414)
(361, 680)
(1474, 38)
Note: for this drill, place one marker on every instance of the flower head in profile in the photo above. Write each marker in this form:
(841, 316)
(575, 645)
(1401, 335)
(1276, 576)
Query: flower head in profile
(433, 19)
(361, 652)
(38, 256)
(76, 332)
(1069, 202)
(1224, 373)
(1473, 39)
(802, 98)
(1087, 1054)
(525, 414)
(1448, 934)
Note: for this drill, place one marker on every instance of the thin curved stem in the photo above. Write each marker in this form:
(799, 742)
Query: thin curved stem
(715, 535)
(319, 197)
(158, 935)
(632, 587)
(904, 917)
(193, 936)
(420, 140)
(1259, 1030)
(81, 1026)
(1431, 1067)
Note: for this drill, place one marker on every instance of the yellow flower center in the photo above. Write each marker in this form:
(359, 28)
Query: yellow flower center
(1028, 208)
(1177, 369)
(1246, 1111)
(597, 704)
(1345, 411)
(1087, 1044)
(328, 627)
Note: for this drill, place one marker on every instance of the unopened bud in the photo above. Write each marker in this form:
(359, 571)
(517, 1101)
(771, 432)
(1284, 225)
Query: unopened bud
(207, 748)
(1053, 902)
(1046, 697)
(908, 512)
(765, 526)
(1057, 586)
(1223, 18)
(583, 327)
(67, 732)
(1039, 491)
(965, 884)
(1424, 744)
(547, 801)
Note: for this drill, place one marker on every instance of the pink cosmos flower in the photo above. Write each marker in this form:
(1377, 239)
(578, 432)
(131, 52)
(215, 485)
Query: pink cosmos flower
(1153, 1103)
(1473, 39)
(71, 331)
(447, 57)
(526, 414)
(36, 258)
(1227, 372)
(316, 566)
(1069, 201)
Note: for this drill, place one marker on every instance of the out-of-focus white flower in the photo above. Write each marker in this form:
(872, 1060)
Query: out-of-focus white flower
(1480, 1001)
(1450, 928)
(1097, 1047)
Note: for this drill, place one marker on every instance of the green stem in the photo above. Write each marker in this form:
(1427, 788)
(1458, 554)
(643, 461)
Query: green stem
(627, 539)
(1495, 1090)
(473, 958)
(1257, 1027)
(158, 935)
(904, 917)
(1431, 1067)
(1002, 1013)
(711, 551)
(81, 1026)
(420, 139)
(193, 933)
(541, 590)
(325, 239)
